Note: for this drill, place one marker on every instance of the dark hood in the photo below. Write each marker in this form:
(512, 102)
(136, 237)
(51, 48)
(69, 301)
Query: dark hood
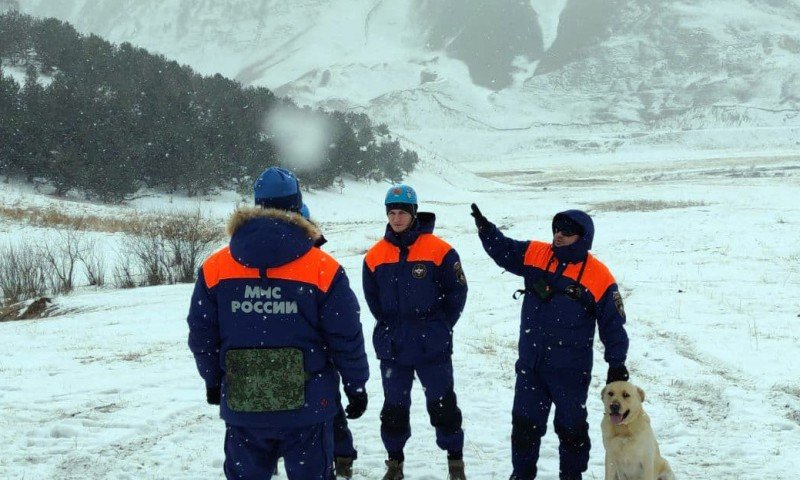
(577, 251)
(424, 223)
(266, 237)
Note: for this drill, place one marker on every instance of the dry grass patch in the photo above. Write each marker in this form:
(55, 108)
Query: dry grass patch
(52, 217)
(643, 205)
(130, 222)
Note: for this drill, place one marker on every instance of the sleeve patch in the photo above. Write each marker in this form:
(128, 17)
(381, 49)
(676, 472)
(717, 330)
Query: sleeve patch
(462, 279)
(617, 297)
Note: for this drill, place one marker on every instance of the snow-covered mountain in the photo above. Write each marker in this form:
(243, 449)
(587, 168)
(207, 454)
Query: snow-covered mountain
(523, 79)
(558, 98)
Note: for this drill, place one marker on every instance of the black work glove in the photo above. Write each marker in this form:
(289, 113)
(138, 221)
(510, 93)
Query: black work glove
(617, 374)
(480, 221)
(356, 404)
(213, 395)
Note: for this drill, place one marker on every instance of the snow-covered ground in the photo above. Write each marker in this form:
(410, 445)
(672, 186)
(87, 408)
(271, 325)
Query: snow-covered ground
(109, 390)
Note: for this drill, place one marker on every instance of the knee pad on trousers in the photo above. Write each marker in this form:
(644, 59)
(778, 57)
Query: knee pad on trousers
(395, 418)
(445, 413)
(575, 438)
(525, 431)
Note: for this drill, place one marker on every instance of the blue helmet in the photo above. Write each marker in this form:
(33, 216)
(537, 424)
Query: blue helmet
(305, 212)
(401, 197)
(278, 188)
(401, 194)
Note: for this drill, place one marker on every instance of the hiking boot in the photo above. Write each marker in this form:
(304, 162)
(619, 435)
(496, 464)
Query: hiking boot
(344, 467)
(456, 470)
(394, 470)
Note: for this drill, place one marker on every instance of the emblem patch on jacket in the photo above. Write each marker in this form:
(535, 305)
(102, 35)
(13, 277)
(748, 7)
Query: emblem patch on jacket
(462, 279)
(618, 303)
(419, 270)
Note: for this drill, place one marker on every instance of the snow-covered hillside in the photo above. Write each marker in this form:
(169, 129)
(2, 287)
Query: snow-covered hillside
(525, 78)
(674, 123)
(704, 256)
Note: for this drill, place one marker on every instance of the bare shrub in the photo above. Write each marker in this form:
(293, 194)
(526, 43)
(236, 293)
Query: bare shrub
(24, 274)
(189, 239)
(94, 263)
(149, 252)
(158, 248)
(169, 249)
(62, 257)
(642, 205)
(123, 276)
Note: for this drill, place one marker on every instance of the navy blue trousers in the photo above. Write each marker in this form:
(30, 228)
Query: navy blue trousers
(342, 437)
(252, 453)
(437, 382)
(534, 394)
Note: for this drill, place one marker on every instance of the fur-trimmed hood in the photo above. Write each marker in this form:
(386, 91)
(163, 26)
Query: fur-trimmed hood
(268, 237)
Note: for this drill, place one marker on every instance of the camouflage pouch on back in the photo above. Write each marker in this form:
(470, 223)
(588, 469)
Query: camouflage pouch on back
(265, 379)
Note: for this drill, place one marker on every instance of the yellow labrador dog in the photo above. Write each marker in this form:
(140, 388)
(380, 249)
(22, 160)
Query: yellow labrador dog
(631, 448)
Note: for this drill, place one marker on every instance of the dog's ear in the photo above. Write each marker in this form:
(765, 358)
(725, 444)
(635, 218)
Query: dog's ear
(641, 393)
(603, 392)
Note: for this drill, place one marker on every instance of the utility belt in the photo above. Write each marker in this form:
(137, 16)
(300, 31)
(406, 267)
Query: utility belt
(542, 289)
(265, 379)
(545, 292)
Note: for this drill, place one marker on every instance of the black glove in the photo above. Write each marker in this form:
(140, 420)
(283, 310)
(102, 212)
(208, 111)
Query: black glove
(213, 395)
(356, 404)
(617, 374)
(480, 221)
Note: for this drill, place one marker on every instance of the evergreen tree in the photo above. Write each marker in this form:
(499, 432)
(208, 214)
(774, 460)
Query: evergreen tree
(10, 137)
(390, 154)
(115, 119)
(32, 160)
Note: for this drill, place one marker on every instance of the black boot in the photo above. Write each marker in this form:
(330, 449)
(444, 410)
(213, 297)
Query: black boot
(455, 470)
(344, 467)
(394, 470)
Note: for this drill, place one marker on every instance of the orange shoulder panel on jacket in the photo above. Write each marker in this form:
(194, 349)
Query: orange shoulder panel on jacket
(380, 253)
(538, 254)
(221, 266)
(315, 267)
(430, 248)
(596, 277)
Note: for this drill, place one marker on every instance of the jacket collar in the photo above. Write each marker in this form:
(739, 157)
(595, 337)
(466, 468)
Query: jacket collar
(424, 223)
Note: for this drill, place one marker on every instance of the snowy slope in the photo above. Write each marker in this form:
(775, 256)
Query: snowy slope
(109, 390)
(531, 78)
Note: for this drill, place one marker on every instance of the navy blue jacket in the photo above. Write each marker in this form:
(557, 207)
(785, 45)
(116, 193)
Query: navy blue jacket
(558, 332)
(271, 287)
(416, 289)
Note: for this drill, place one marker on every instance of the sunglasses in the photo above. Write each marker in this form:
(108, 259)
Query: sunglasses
(567, 232)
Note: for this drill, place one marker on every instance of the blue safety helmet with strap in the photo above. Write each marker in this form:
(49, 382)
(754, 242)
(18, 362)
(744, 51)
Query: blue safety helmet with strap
(279, 188)
(401, 197)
